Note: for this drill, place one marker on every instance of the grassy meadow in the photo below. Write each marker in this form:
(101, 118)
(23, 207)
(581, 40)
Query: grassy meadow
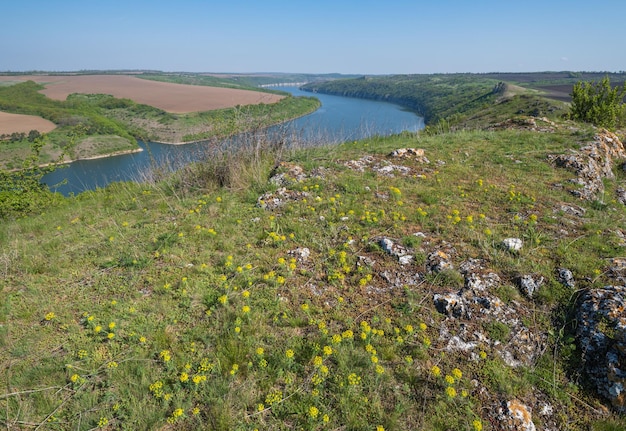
(185, 304)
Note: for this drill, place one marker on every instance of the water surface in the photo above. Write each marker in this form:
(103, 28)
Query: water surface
(339, 119)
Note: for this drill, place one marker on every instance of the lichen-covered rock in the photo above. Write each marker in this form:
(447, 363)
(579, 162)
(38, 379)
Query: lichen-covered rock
(515, 416)
(273, 200)
(481, 282)
(286, 174)
(479, 318)
(437, 261)
(450, 304)
(381, 166)
(617, 270)
(529, 284)
(410, 153)
(566, 277)
(512, 244)
(602, 338)
(301, 254)
(397, 250)
(593, 163)
(621, 195)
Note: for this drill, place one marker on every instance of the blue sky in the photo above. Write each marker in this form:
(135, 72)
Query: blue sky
(321, 36)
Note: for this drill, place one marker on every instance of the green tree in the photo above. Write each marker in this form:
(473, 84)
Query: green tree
(599, 104)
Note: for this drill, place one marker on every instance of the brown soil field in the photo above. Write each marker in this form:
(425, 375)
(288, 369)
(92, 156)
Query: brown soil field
(17, 123)
(561, 92)
(174, 98)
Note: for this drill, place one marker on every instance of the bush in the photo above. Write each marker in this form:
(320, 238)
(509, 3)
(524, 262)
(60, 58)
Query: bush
(21, 191)
(599, 104)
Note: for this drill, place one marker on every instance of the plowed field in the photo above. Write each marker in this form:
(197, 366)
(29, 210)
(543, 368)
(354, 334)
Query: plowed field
(175, 98)
(17, 123)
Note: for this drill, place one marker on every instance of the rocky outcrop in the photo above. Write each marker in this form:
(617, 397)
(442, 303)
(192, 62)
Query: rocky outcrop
(592, 163)
(410, 153)
(278, 198)
(384, 167)
(477, 317)
(525, 123)
(287, 174)
(601, 335)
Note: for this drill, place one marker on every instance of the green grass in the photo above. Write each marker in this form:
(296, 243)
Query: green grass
(178, 305)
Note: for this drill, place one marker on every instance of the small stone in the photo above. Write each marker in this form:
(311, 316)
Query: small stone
(450, 304)
(365, 261)
(437, 261)
(397, 250)
(512, 244)
(528, 284)
(301, 254)
(407, 152)
(621, 195)
(566, 277)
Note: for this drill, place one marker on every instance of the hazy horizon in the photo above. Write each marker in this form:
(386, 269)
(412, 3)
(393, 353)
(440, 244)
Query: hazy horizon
(277, 36)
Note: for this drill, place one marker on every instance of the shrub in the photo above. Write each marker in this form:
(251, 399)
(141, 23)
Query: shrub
(21, 191)
(599, 104)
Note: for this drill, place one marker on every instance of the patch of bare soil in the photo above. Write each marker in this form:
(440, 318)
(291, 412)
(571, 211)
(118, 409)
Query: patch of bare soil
(174, 98)
(18, 123)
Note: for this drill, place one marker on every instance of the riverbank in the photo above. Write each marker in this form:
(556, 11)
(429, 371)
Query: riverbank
(104, 156)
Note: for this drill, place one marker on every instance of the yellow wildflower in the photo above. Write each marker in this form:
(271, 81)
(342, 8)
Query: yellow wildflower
(435, 370)
(450, 392)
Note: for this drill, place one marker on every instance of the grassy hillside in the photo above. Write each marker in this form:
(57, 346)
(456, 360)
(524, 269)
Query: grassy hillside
(433, 96)
(450, 96)
(218, 299)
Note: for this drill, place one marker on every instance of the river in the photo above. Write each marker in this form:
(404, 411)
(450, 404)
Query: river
(339, 119)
